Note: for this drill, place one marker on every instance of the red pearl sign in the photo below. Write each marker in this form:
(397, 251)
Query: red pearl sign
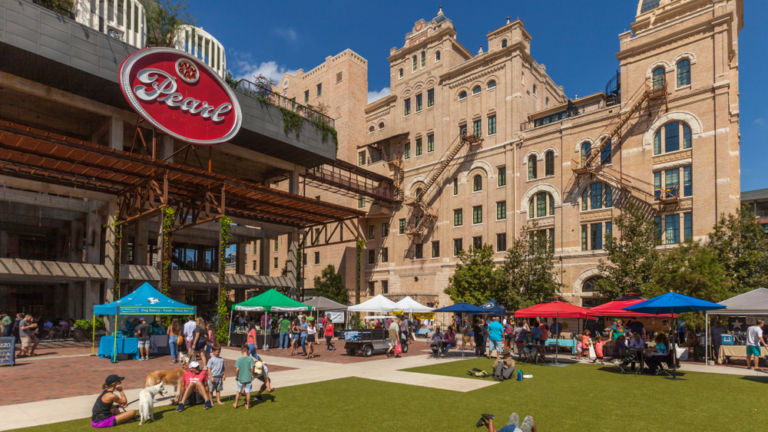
(180, 96)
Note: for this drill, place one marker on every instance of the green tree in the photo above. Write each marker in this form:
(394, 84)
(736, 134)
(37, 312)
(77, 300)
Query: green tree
(631, 256)
(693, 270)
(476, 279)
(329, 285)
(527, 275)
(63, 7)
(741, 245)
(163, 19)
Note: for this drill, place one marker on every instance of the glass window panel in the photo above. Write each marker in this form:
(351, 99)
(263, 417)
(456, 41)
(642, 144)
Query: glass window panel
(608, 196)
(477, 214)
(491, 125)
(532, 167)
(671, 137)
(672, 182)
(596, 236)
(584, 245)
(595, 196)
(457, 246)
(687, 181)
(502, 175)
(430, 143)
(657, 184)
(549, 163)
(551, 205)
(541, 204)
(584, 199)
(501, 242)
(687, 226)
(657, 142)
(530, 208)
(672, 228)
(683, 72)
(458, 217)
(430, 97)
(658, 77)
(501, 210)
(418, 102)
(686, 136)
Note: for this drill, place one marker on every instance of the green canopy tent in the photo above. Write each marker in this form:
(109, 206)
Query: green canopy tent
(268, 301)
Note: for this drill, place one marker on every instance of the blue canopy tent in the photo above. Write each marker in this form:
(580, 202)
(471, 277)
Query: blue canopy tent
(491, 307)
(672, 303)
(145, 300)
(462, 308)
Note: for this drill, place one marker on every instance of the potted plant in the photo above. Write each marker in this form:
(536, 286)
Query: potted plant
(83, 329)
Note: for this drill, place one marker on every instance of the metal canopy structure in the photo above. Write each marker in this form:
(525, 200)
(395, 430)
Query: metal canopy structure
(144, 185)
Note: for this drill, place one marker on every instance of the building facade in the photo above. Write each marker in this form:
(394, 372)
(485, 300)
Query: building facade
(664, 137)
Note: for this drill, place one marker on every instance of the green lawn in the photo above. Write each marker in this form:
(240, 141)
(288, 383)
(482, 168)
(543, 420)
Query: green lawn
(572, 398)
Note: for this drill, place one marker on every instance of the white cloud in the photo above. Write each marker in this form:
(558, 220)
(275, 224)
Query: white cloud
(287, 33)
(378, 94)
(760, 121)
(270, 69)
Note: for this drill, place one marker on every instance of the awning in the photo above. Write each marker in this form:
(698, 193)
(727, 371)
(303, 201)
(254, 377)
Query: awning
(553, 309)
(271, 301)
(378, 304)
(145, 300)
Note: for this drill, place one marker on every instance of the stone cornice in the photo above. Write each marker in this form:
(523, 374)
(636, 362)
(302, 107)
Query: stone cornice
(477, 75)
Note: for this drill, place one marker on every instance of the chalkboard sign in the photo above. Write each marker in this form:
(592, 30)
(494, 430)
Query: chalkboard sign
(7, 348)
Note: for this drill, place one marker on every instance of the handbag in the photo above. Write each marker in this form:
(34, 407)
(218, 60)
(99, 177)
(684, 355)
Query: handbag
(398, 349)
(592, 354)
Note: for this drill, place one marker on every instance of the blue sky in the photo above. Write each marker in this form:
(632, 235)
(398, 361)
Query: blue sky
(274, 37)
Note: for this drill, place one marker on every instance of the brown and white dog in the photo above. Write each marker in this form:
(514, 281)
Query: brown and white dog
(168, 377)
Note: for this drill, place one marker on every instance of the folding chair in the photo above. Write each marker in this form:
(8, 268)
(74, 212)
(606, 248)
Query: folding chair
(631, 356)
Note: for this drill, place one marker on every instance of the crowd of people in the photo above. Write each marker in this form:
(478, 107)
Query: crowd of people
(27, 331)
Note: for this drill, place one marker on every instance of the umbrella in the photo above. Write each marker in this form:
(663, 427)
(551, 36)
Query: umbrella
(553, 309)
(491, 307)
(671, 303)
(616, 308)
(462, 308)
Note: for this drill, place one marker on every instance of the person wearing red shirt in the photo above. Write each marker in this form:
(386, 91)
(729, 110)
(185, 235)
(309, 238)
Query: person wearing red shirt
(195, 379)
(329, 346)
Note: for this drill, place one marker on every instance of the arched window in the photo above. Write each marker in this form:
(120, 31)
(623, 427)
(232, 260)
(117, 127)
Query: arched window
(586, 150)
(541, 204)
(532, 171)
(477, 183)
(683, 72)
(503, 43)
(491, 84)
(596, 196)
(590, 285)
(418, 192)
(549, 163)
(437, 56)
(462, 95)
(546, 102)
(381, 125)
(476, 89)
(534, 89)
(658, 77)
(370, 129)
(605, 153)
(670, 140)
(400, 72)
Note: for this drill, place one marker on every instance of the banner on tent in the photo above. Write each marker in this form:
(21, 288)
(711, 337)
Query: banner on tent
(158, 310)
(337, 317)
(424, 315)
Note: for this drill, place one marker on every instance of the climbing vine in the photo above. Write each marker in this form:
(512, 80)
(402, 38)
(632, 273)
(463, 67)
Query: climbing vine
(327, 130)
(117, 229)
(291, 121)
(225, 227)
(169, 219)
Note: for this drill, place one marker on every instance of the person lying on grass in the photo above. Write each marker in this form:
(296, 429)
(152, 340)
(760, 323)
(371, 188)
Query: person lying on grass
(106, 409)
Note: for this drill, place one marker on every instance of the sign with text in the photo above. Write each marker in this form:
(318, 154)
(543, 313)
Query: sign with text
(180, 96)
(7, 350)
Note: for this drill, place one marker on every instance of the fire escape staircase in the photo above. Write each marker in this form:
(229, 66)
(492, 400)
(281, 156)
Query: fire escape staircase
(632, 192)
(422, 218)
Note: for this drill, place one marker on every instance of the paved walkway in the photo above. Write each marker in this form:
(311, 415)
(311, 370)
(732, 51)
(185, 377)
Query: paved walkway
(302, 372)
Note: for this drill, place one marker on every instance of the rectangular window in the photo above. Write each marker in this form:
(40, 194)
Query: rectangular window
(657, 142)
(672, 183)
(317, 236)
(303, 259)
(672, 228)
(317, 257)
(462, 130)
(657, 223)
(274, 260)
(407, 106)
(596, 236)
(541, 204)
(306, 96)
(491, 125)
(584, 231)
(671, 137)
(596, 195)
(319, 89)
(501, 242)
(277, 245)
(501, 210)
(477, 242)
(657, 184)
(338, 77)
(455, 186)
(415, 63)
(255, 264)
(551, 240)
(418, 251)
(384, 255)
(401, 226)
(371, 256)
(686, 136)
(384, 287)
(361, 158)
(477, 214)
(423, 58)
(687, 226)
(477, 128)
(435, 249)
(371, 231)
(384, 229)
(502, 175)
(457, 246)
(687, 181)
(458, 217)
(407, 150)
(430, 143)
(371, 288)
(418, 102)
(585, 199)
(608, 231)
(361, 202)
(430, 97)
(418, 146)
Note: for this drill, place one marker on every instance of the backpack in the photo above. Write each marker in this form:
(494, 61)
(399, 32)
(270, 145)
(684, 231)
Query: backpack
(475, 372)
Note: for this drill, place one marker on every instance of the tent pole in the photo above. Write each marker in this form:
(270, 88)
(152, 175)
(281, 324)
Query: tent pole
(93, 336)
(557, 339)
(114, 347)
(229, 335)
(706, 338)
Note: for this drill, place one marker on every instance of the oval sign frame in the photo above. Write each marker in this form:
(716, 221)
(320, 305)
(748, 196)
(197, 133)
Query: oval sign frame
(127, 68)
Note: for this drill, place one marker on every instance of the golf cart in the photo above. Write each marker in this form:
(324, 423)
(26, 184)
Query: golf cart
(368, 342)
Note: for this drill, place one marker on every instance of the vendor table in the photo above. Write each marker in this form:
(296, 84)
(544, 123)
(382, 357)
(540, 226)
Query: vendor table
(568, 343)
(737, 351)
(125, 345)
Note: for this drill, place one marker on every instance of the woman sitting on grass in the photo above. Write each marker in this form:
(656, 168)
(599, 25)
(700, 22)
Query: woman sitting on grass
(106, 409)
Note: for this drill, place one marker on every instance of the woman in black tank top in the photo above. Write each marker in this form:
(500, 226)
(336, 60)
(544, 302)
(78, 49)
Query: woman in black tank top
(102, 414)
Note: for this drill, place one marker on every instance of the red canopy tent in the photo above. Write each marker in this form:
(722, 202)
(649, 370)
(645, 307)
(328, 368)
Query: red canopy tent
(616, 309)
(553, 309)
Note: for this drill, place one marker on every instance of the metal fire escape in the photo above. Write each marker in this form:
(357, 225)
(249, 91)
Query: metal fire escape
(422, 218)
(632, 191)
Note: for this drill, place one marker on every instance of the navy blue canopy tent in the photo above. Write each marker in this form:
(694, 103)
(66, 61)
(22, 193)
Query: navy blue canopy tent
(145, 300)
(462, 308)
(491, 307)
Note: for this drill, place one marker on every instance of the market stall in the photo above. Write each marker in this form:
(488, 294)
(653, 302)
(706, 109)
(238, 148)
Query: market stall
(145, 300)
(271, 300)
(411, 306)
(333, 309)
(555, 309)
(751, 304)
(461, 309)
(378, 304)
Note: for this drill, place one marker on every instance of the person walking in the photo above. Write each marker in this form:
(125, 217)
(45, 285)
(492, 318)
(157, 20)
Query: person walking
(27, 334)
(200, 340)
(496, 336)
(303, 335)
(394, 337)
(174, 333)
(285, 327)
(294, 335)
(754, 341)
(6, 324)
(189, 332)
(716, 331)
(479, 333)
(311, 336)
(251, 339)
(142, 333)
(329, 346)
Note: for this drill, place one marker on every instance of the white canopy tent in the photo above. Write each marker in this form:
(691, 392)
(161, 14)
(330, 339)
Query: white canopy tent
(378, 304)
(409, 305)
(750, 303)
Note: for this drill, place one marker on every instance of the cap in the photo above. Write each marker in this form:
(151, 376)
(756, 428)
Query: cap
(113, 379)
(194, 364)
(142, 319)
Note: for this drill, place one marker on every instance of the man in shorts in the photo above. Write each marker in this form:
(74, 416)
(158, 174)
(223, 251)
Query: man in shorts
(496, 337)
(142, 332)
(27, 330)
(244, 373)
(754, 342)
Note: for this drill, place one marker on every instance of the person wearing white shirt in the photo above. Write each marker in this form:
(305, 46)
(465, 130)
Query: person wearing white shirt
(189, 332)
(754, 341)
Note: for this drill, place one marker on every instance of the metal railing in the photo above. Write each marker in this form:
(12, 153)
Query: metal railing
(265, 93)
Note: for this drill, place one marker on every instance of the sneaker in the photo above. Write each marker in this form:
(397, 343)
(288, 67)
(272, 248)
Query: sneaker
(207, 405)
(528, 424)
(180, 408)
(514, 419)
